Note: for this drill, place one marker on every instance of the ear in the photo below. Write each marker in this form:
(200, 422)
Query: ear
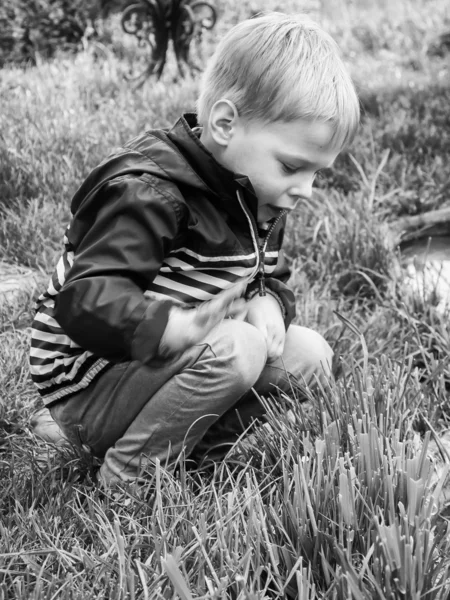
(223, 119)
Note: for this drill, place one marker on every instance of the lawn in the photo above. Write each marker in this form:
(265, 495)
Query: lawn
(344, 495)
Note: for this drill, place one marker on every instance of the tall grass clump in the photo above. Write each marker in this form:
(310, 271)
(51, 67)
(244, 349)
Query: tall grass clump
(339, 504)
(334, 239)
(354, 495)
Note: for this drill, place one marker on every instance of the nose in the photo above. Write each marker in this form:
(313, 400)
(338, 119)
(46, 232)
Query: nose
(301, 191)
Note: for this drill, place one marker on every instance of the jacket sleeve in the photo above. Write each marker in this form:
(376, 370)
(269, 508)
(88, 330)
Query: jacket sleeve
(276, 283)
(120, 238)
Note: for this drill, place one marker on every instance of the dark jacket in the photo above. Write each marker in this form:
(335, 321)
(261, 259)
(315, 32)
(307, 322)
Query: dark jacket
(159, 221)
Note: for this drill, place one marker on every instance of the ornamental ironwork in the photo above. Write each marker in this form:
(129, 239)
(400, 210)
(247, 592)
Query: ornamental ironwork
(157, 22)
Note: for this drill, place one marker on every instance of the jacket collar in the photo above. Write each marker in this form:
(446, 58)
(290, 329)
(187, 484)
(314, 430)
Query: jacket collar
(224, 184)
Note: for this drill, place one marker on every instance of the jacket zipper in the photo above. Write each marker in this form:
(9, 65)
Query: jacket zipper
(262, 255)
(259, 249)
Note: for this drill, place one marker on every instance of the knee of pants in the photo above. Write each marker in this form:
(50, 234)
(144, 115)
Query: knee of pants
(308, 354)
(243, 350)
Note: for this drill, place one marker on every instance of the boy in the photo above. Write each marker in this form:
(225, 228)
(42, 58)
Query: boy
(132, 350)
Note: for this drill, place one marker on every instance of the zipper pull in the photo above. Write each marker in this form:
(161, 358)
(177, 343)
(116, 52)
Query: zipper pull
(262, 285)
(261, 274)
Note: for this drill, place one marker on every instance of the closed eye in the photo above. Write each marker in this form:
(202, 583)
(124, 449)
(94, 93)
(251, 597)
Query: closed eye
(319, 174)
(289, 169)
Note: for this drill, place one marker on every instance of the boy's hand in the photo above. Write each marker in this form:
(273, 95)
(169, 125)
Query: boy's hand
(264, 313)
(187, 327)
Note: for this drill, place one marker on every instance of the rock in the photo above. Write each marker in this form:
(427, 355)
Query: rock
(432, 277)
(428, 268)
(15, 280)
(44, 427)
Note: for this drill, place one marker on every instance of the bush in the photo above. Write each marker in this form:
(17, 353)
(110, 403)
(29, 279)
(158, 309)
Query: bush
(40, 27)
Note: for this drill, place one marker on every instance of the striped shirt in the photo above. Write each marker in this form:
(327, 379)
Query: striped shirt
(60, 367)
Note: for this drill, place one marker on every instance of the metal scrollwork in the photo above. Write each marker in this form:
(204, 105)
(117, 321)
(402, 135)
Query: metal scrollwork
(156, 22)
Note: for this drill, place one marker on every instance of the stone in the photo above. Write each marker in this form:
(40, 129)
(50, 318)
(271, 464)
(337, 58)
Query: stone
(44, 427)
(428, 269)
(14, 280)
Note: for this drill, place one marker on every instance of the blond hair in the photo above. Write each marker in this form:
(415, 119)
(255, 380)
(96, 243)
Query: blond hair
(279, 67)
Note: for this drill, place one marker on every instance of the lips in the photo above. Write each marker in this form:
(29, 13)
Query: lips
(268, 213)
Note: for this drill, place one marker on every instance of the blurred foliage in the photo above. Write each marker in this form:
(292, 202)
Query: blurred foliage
(40, 27)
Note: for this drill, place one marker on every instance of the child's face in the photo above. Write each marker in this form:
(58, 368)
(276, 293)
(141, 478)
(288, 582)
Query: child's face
(280, 159)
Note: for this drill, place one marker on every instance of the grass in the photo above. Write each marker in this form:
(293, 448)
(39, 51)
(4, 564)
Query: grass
(339, 499)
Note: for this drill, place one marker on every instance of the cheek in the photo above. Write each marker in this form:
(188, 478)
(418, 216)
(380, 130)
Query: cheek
(261, 173)
(266, 190)
(264, 179)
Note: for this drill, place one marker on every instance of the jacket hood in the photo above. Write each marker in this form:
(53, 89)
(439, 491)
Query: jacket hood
(176, 155)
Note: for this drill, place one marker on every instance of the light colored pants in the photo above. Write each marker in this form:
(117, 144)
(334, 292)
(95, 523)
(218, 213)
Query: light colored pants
(135, 412)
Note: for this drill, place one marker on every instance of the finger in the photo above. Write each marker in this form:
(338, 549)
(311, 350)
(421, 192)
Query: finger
(217, 307)
(209, 314)
(282, 343)
(271, 351)
(237, 310)
(206, 316)
(233, 293)
(274, 354)
(275, 348)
